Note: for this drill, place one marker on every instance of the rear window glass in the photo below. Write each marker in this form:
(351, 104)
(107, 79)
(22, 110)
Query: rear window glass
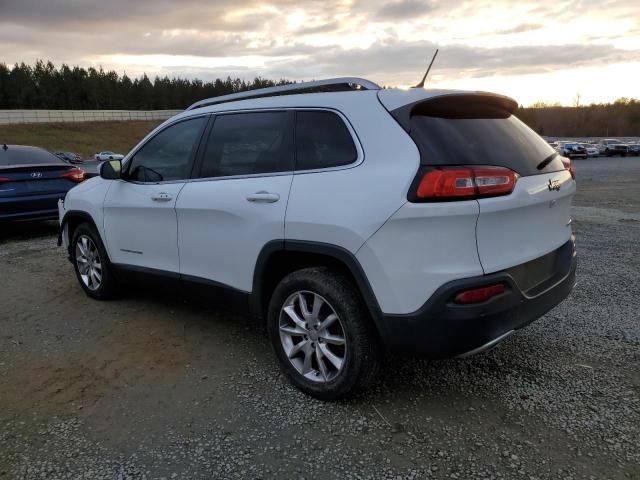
(491, 139)
(16, 155)
(322, 141)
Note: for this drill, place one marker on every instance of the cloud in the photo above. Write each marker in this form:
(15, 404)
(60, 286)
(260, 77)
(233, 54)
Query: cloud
(98, 15)
(404, 62)
(523, 27)
(325, 27)
(389, 41)
(403, 9)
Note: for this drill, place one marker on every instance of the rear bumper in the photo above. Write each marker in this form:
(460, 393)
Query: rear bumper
(442, 329)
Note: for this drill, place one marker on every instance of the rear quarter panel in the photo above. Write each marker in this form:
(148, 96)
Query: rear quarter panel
(345, 206)
(421, 247)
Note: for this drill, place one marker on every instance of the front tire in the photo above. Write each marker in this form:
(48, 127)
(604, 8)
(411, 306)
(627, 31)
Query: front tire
(91, 263)
(321, 334)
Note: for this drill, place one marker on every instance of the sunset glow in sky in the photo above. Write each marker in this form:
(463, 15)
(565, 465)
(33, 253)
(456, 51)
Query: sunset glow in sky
(533, 51)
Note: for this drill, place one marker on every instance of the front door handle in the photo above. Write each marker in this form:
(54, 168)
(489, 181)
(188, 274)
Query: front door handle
(161, 197)
(263, 197)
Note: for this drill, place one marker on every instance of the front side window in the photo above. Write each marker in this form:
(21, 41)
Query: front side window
(322, 141)
(167, 156)
(248, 143)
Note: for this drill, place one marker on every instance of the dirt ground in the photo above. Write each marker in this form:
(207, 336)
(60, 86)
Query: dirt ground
(162, 384)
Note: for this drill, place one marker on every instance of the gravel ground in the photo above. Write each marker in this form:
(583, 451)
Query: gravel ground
(160, 385)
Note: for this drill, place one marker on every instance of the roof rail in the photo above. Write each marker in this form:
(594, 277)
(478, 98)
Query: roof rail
(349, 83)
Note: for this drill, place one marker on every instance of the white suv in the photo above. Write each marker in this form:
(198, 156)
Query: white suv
(351, 218)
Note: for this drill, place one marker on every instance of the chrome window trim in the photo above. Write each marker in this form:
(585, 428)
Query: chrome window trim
(239, 177)
(354, 137)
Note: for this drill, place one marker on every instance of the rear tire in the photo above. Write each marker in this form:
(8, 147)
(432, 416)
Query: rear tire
(91, 263)
(326, 363)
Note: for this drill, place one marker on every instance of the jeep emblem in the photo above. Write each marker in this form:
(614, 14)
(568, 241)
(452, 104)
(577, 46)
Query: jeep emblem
(553, 185)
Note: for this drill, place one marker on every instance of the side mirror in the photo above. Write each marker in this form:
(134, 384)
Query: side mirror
(111, 170)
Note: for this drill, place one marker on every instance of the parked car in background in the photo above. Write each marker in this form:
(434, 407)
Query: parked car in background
(571, 150)
(107, 155)
(69, 157)
(429, 246)
(591, 149)
(32, 181)
(634, 149)
(612, 146)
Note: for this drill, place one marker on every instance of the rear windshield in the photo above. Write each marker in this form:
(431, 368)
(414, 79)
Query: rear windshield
(493, 138)
(16, 155)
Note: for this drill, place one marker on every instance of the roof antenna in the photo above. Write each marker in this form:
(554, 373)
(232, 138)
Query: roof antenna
(421, 84)
(4, 147)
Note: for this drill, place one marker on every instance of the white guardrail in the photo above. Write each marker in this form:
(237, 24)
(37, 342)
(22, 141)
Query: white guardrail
(58, 116)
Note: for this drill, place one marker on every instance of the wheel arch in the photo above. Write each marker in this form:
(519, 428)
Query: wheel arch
(71, 220)
(278, 258)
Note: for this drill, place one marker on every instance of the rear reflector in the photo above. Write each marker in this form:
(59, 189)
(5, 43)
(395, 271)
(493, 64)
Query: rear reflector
(460, 183)
(479, 295)
(75, 175)
(567, 164)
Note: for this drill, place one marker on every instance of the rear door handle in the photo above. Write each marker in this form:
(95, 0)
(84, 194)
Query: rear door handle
(263, 197)
(161, 197)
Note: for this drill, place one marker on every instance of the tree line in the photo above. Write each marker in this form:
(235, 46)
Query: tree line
(44, 86)
(618, 119)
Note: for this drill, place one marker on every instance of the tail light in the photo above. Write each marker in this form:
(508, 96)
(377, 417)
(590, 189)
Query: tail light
(464, 183)
(569, 166)
(75, 175)
(4, 179)
(479, 295)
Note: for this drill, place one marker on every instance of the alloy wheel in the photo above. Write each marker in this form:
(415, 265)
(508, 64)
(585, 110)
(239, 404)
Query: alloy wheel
(88, 262)
(312, 336)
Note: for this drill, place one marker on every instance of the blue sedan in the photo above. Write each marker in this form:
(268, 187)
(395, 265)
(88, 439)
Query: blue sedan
(31, 182)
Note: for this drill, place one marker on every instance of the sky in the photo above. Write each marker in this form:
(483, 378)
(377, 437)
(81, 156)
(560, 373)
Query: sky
(548, 50)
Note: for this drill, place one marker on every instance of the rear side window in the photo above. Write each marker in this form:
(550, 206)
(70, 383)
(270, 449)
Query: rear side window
(452, 133)
(322, 141)
(248, 143)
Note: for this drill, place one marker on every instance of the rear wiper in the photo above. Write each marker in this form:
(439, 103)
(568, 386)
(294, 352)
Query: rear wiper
(547, 160)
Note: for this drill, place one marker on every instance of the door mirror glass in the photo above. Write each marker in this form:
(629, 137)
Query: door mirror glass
(111, 169)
